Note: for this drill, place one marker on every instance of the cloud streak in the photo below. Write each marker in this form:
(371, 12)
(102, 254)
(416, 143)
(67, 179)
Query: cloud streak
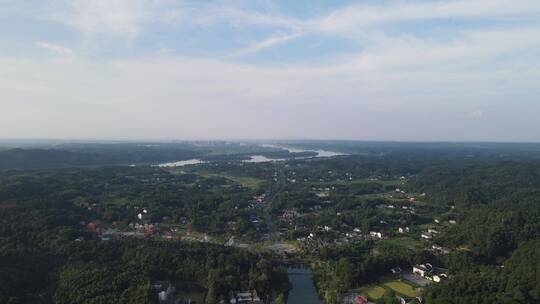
(121, 18)
(55, 48)
(355, 17)
(267, 43)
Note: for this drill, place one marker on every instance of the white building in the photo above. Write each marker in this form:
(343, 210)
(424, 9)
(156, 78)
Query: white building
(427, 236)
(376, 234)
(404, 230)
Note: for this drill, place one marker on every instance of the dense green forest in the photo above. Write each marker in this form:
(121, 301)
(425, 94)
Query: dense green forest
(41, 263)
(496, 256)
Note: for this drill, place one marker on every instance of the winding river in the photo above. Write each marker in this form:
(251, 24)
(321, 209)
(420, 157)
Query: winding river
(320, 153)
(303, 291)
(259, 158)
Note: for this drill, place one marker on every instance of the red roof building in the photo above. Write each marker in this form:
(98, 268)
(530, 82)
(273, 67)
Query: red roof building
(360, 299)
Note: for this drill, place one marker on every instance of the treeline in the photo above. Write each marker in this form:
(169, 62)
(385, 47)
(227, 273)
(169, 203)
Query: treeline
(20, 159)
(499, 205)
(496, 242)
(427, 151)
(40, 262)
(467, 185)
(515, 281)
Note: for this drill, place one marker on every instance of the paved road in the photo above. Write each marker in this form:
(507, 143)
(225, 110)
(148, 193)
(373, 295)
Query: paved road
(271, 194)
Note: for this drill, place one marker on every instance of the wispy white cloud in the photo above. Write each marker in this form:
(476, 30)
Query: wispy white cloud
(241, 17)
(55, 48)
(265, 44)
(358, 21)
(356, 16)
(129, 18)
(123, 18)
(351, 19)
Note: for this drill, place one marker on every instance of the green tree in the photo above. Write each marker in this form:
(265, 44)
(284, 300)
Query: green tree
(210, 285)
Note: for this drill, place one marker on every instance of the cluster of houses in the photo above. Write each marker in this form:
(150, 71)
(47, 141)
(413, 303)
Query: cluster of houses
(166, 295)
(426, 271)
(106, 234)
(316, 239)
(451, 222)
(245, 297)
(404, 230)
(376, 235)
(409, 209)
(289, 216)
(138, 230)
(429, 234)
(429, 272)
(399, 191)
(257, 201)
(321, 192)
(439, 249)
(355, 233)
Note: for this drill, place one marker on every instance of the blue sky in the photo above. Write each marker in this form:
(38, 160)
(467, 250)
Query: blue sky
(460, 70)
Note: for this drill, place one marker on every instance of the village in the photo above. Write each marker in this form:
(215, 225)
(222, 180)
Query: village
(298, 232)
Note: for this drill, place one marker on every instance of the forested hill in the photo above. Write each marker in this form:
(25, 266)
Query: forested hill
(477, 183)
(53, 158)
(498, 235)
(99, 154)
(44, 158)
(499, 205)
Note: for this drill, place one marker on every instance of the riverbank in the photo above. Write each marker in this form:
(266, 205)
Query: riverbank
(303, 289)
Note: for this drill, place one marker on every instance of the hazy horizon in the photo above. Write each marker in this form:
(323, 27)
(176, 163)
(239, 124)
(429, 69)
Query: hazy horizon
(157, 70)
(246, 140)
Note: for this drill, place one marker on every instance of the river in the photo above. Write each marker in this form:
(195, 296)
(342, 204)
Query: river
(262, 159)
(303, 291)
(320, 153)
(259, 158)
(182, 163)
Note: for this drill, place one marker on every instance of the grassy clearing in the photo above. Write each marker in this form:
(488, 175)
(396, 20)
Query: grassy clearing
(117, 201)
(373, 292)
(190, 291)
(403, 288)
(407, 242)
(376, 292)
(249, 182)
